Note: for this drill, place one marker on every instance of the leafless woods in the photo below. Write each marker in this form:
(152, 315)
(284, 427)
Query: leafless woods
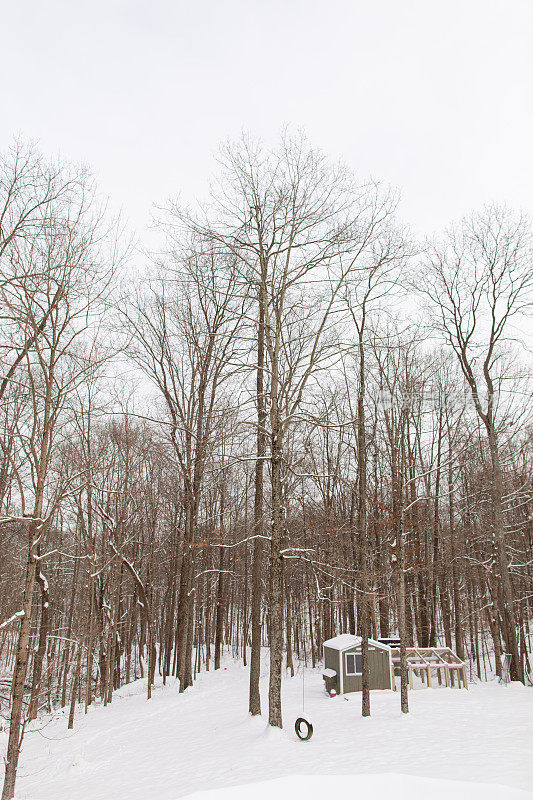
(296, 423)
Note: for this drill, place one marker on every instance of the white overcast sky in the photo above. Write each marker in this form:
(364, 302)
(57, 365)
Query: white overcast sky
(433, 96)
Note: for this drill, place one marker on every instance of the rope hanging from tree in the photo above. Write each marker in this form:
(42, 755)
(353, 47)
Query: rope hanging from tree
(302, 726)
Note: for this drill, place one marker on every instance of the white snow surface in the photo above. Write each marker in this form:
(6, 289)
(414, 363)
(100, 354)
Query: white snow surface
(390, 787)
(204, 739)
(345, 640)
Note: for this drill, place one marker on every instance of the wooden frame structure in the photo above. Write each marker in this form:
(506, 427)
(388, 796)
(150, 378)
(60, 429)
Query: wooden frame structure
(423, 661)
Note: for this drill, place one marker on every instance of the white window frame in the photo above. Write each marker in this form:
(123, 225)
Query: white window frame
(351, 674)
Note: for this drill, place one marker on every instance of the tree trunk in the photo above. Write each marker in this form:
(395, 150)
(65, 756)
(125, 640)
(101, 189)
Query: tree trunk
(276, 597)
(219, 625)
(255, 656)
(21, 663)
(508, 615)
(41, 647)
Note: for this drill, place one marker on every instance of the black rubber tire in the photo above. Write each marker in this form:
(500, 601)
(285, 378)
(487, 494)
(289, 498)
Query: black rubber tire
(298, 728)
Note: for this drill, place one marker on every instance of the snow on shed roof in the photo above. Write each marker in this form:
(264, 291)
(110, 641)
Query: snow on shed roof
(346, 640)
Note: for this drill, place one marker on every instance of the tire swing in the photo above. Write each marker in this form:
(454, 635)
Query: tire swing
(302, 726)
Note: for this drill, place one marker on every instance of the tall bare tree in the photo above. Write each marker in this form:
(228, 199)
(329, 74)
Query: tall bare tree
(51, 301)
(480, 284)
(184, 340)
(298, 226)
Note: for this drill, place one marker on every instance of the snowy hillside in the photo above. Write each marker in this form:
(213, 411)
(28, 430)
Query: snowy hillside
(175, 745)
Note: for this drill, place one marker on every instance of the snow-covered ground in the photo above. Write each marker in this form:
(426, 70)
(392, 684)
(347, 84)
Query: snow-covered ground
(204, 739)
(388, 786)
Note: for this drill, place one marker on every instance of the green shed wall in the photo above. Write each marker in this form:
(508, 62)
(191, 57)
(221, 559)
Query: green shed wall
(380, 676)
(331, 661)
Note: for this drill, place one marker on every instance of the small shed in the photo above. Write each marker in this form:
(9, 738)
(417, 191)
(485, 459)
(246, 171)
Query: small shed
(342, 664)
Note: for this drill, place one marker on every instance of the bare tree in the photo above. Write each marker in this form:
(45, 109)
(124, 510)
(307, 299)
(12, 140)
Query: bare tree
(297, 227)
(480, 283)
(378, 268)
(64, 283)
(30, 189)
(184, 338)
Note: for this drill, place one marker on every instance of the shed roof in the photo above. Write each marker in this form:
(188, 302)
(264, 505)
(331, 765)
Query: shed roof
(347, 640)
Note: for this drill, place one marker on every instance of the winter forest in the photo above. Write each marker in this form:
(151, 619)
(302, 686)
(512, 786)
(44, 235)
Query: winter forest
(288, 419)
